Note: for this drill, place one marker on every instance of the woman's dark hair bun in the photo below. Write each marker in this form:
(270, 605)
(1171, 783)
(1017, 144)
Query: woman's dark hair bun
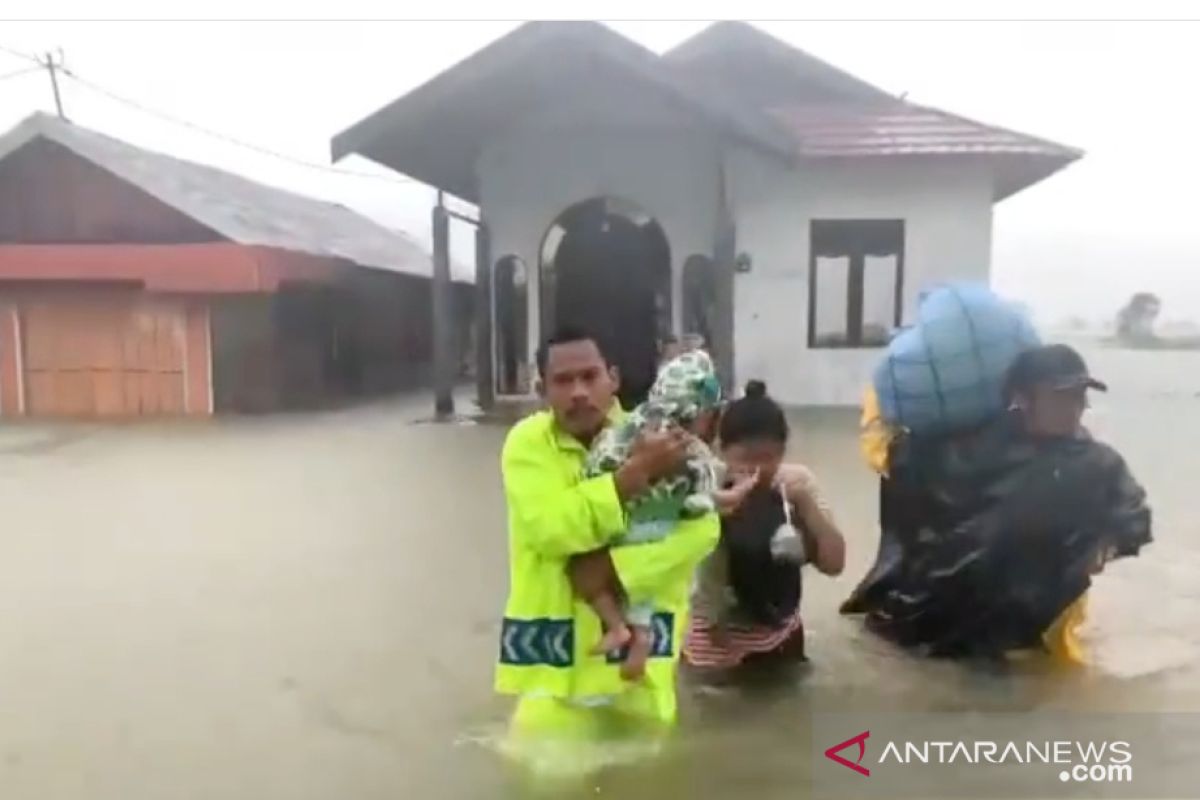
(756, 389)
(753, 416)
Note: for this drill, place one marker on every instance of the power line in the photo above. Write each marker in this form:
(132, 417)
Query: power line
(134, 104)
(20, 72)
(18, 54)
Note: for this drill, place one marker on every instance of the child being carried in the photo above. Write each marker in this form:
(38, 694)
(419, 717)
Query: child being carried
(686, 394)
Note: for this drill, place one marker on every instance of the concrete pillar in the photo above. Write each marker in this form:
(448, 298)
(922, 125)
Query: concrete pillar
(724, 255)
(677, 263)
(484, 382)
(443, 324)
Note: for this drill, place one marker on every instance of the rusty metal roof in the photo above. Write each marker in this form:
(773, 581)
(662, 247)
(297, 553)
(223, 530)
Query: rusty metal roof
(902, 128)
(237, 208)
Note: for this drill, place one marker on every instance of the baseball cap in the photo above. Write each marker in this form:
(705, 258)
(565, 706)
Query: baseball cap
(1058, 365)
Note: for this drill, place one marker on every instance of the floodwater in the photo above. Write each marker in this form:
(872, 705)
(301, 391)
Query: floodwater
(307, 607)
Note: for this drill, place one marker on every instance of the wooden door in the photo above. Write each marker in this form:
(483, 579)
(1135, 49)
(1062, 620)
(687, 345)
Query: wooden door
(99, 355)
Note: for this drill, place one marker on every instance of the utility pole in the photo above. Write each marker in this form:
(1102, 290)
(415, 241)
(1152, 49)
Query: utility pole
(52, 67)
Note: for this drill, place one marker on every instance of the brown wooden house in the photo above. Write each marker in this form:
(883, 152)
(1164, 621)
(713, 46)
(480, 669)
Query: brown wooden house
(135, 284)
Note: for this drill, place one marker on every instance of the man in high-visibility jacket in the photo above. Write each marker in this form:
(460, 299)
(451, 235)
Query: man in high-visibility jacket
(554, 514)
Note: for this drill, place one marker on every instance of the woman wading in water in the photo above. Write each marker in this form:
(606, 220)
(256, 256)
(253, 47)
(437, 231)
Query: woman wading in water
(763, 589)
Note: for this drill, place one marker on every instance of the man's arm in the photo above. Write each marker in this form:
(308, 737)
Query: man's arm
(550, 515)
(646, 569)
(1130, 517)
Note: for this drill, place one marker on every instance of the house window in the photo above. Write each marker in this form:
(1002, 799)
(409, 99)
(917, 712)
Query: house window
(856, 281)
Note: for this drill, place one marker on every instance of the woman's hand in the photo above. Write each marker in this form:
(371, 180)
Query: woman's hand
(822, 538)
(728, 500)
(798, 494)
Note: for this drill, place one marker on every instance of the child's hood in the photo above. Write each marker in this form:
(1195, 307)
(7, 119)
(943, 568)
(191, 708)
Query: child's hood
(686, 387)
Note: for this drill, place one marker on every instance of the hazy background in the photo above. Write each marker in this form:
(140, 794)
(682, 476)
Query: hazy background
(1078, 244)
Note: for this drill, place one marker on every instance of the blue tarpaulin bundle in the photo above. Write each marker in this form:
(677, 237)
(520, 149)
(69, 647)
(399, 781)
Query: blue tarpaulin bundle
(947, 371)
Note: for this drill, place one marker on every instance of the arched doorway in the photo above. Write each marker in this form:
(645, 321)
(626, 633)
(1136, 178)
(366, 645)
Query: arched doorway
(510, 287)
(606, 266)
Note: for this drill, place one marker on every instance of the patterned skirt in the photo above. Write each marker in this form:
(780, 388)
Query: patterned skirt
(740, 642)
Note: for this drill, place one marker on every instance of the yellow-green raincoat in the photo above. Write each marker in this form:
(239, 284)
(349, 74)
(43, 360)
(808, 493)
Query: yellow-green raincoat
(548, 633)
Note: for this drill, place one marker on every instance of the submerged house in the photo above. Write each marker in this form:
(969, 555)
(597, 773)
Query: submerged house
(734, 187)
(136, 284)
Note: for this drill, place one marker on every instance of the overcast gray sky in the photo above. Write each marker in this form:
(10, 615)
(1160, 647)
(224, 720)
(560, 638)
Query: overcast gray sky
(1120, 220)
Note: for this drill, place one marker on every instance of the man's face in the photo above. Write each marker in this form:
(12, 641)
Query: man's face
(1054, 412)
(579, 387)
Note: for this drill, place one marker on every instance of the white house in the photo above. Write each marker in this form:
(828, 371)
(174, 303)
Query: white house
(734, 187)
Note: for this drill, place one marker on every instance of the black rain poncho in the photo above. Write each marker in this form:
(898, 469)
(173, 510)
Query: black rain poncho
(987, 538)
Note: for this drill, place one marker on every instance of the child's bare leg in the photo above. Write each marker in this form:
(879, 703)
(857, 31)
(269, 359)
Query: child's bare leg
(633, 668)
(617, 632)
(593, 579)
(641, 642)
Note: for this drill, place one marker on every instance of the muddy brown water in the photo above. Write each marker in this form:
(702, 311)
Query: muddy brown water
(307, 607)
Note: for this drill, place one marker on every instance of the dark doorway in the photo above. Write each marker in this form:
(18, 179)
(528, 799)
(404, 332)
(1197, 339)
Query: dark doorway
(606, 266)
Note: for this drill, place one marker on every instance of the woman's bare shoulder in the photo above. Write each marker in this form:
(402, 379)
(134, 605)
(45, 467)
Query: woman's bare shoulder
(798, 480)
(792, 474)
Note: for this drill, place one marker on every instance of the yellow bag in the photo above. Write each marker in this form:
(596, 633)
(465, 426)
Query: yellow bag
(874, 434)
(1062, 637)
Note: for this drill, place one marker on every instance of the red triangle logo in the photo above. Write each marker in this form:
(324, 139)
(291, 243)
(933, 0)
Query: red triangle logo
(856, 765)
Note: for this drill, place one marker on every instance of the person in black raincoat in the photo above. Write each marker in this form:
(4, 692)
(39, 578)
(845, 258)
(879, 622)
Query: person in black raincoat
(988, 537)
